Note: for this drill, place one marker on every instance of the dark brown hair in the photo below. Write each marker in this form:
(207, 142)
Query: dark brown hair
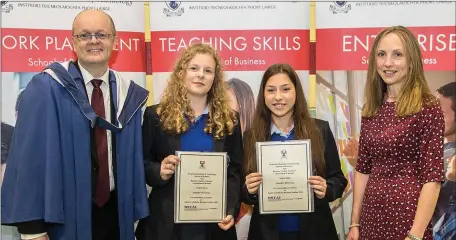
(449, 91)
(304, 125)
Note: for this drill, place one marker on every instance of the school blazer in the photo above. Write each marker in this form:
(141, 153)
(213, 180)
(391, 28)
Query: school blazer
(157, 145)
(318, 225)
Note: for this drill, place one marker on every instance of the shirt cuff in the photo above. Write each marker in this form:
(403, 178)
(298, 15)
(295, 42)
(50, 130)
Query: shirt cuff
(32, 236)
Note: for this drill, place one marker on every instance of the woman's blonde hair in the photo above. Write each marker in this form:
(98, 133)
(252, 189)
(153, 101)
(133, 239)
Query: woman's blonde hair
(415, 91)
(174, 108)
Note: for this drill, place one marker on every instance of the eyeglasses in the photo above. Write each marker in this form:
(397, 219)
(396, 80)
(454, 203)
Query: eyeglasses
(88, 36)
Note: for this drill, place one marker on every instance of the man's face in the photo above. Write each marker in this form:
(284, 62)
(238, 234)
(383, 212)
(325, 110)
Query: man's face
(93, 50)
(448, 115)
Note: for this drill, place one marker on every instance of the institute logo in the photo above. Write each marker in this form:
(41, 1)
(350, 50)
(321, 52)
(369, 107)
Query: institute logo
(6, 8)
(173, 9)
(340, 7)
(283, 154)
(202, 164)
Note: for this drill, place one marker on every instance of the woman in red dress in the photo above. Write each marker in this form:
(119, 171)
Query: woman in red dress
(400, 160)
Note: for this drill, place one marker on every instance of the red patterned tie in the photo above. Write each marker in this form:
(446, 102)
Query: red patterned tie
(103, 190)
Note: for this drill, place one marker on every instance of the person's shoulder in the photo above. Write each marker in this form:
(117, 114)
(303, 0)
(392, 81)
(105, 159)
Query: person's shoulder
(151, 110)
(138, 87)
(43, 77)
(41, 84)
(430, 105)
(320, 121)
(321, 124)
(127, 81)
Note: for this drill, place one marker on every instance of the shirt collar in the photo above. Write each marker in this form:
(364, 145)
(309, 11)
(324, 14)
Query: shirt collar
(276, 130)
(88, 77)
(206, 111)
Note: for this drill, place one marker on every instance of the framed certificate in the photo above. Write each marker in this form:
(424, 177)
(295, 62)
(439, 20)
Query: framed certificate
(285, 167)
(200, 187)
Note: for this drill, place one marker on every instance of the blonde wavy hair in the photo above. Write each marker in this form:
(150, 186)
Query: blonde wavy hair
(174, 107)
(414, 93)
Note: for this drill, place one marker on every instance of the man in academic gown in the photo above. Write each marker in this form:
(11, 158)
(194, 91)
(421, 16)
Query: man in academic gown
(75, 166)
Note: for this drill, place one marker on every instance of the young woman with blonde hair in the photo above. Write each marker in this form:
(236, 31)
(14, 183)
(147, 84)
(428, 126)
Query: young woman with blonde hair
(193, 115)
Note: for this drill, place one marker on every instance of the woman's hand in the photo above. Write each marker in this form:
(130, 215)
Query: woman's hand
(227, 222)
(252, 182)
(319, 185)
(168, 166)
(353, 234)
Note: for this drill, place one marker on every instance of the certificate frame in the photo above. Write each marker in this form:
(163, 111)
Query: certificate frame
(294, 173)
(192, 175)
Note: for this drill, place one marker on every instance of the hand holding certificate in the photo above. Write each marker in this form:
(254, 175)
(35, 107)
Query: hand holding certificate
(285, 168)
(200, 187)
(168, 166)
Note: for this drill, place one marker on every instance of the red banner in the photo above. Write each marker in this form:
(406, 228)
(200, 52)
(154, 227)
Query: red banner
(348, 48)
(241, 50)
(30, 50)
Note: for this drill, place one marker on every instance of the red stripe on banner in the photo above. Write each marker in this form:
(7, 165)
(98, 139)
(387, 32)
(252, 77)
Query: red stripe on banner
(313, 61)
(148, 58)
(30, 50)
(348, 48)
(241, 50)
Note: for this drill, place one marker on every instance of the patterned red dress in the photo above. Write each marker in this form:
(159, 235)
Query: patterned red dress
(400, 155)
